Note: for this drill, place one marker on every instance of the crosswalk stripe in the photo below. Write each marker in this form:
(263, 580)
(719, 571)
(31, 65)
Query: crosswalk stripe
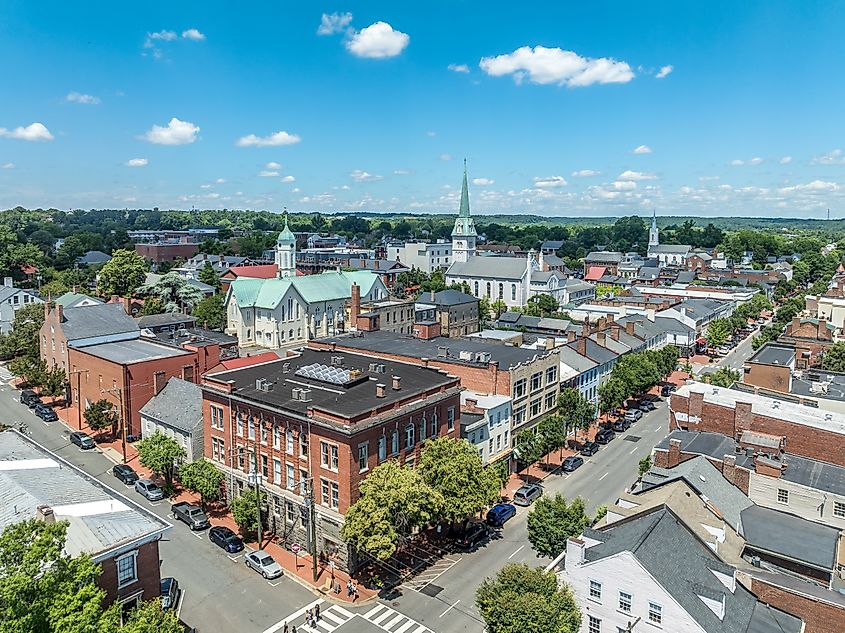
(405, 627)
(373, 611)
(394, 621)
(422, 629)
(343, 612)
(334, 618)
(382, 616)
(325, 625)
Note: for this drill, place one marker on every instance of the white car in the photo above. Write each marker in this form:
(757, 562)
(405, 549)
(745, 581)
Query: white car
(264, 564)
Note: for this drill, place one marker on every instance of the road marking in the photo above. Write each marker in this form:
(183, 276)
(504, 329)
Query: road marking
(603, 476)
(274, 584)
(658, 429)
(449, 609)
(155, 505)
(293, 616)
(331, 616)
(516, 552)
(399, 617)
(373, 611)
(181, 602)
(196, 534)
(633, 451)
(234, 559)
(343, 611)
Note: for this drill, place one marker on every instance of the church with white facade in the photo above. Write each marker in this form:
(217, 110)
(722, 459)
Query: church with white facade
(667, 254)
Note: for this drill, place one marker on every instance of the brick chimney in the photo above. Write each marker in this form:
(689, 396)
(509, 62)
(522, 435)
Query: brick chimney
(380, 390)
(674, 453)
(550, 343)
(601, 337)
(729, 468)
(823, 333)
(570, 335)
(614, 333)
(355, 307)
(629, 328)
(397, 383)
(60, 312)
(582, 346)
(127, 305)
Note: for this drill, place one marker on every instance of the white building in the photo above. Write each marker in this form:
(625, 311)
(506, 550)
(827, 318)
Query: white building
(667, 254)
(486, 424)
(424, 256)
(11, 300)
(177, 413)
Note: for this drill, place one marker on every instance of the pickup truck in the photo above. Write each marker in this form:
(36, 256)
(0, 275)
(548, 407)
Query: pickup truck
(192, 515)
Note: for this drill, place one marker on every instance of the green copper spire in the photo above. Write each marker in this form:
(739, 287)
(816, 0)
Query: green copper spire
(286, 236)
(464, 226)
(464, 212)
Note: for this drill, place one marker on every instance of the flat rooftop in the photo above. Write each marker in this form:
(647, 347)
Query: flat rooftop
(133, 351)
(771, 354)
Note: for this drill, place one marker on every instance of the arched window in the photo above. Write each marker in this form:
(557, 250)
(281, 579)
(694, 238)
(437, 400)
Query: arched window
(476, 289)
(282, 315)
(394, 443)
(501, 290)
(422, 428)
(409, 436)
(434, 423)
(513, 292)
(488, 289)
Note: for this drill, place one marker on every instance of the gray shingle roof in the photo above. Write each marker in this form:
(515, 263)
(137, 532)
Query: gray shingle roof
(670, 248)
(179, 405)
(164, 319)
(490, 268)
(453, 298)
(93, 257)
(101, 320)
(73, 299)
(572, 358)
(608, 257)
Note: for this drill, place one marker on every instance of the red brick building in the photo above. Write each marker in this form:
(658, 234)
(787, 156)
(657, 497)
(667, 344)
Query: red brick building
(811, 338)
(325, 419)
(160, 252)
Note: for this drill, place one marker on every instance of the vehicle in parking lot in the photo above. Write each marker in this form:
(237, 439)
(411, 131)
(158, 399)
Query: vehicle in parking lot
(125, 473)
(30, 398)
(604, 436)
(223, 537)
(82, 440)
(190, 515)
(500, 513)
(169, 592)
(666, 390)
(647, 405)
(474, 534)
(45, 413)
(620, 426)
(264, 564)
(571, 463)
(589, 449)
(632, 415)
(527, 494)
(149, 489)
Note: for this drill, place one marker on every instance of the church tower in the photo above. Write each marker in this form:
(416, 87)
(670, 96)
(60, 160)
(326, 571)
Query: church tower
(653, 239)
(286, 252)
(464, 234)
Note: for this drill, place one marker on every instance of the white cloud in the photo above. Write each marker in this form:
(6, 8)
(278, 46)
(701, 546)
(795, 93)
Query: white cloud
(7, 166)
(295, 190)
(277, 138)
(445, 157)
(483, 182)
(664, 70)
(77, 97)
(220, 181)
(362, 176)
(402, 172)
(273, 165)
(585, 173)
(833, 157)
(556, 66)
(137, 162)
(288, 179)
(785, 160)
(431, 134)
(815, 186)
(643, 149)
(624, 185)
(32, 132)
(737, 162)
(378, 41)
(549, 182)
(165, 36)
(205, 186)
(193, 34)
(174, 133)
(707, 178)
(332, 23)
(458, 68)
(635, 175)
(268, 174)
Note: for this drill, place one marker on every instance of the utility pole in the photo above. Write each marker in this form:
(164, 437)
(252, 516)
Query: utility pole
(312, 524)
(255, 478)
(78, 373)
(118, 391)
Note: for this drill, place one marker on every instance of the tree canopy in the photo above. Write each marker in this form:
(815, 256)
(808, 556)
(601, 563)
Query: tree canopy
(160, 454)
(122, 274)
(552, 520)
(174, 292)
(202, 477)
(210, 312)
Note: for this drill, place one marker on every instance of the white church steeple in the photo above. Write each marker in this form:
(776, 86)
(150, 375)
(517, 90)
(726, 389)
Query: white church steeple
(464, 233)
(653, 238)
(286, 252)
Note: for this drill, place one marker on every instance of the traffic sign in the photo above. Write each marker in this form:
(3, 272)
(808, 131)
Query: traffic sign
(295, 548)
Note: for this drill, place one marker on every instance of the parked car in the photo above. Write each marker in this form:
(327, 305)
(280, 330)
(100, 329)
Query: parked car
(264, 564)
(150, 490)
(647, 405)
(573, 462)
(82, 440)
(189, 514)
(666, 390)
(632, 415)
(527, 494)
(620, 426)
(169, 592)
(125, 473)
(45, 413)
(500, 513)
(223, 537)
(474, 534)
(30, 398)
(589, 449)
(604, 436)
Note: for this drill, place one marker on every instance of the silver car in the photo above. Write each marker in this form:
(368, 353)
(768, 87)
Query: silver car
(149, 489)
(264, 564)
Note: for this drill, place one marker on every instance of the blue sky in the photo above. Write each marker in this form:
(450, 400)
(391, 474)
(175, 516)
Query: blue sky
(561, 108)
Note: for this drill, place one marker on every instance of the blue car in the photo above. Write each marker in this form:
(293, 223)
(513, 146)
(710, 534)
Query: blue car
(499, 513)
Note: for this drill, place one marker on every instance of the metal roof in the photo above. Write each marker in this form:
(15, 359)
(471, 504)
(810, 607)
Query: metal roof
(133, 351)
(512, 268)
(96, 321)
(178, 405)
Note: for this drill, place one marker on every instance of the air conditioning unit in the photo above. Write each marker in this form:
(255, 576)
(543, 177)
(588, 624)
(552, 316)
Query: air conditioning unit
(337, 361)
(262, 384)
(482, 357)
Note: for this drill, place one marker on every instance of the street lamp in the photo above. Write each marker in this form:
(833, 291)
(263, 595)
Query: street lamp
(255, 479)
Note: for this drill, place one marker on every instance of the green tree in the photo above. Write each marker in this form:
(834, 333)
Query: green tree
(498, 307)
(577, 412)
(724, 377)
(54, 382)
(173, 291)
(32, 370)
(718, 332)
(552, 430)
(122, 275)
(644, 466)
(601, 512)
(209, 276)
(148, 617)
(528, 447)
(834, 357)
(202, 477)
(23, 339)
(211, 312)
(152, 305)
(160, 454)
(453, 470)
(545, 304)
(102, 414)
(245, 512)
(552, 520)
(612, 394)
(524, 600)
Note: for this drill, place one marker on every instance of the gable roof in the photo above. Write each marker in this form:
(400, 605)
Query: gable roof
(101, 320)
(264, 271)
(609, 257)
(178, 405)
(93, 257)
(512, 268)
(73, 299)
(594, 273)
(327, 286)
(451, 297)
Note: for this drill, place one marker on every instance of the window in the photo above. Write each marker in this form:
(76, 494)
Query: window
(333, 465)
(127, 572)
(277, 471)
(363, 454)
(409, 437)
(422, 429)
(251, 428)
(394, 443)
(519, 388)
(290, 512)
(593, 625)
(518, 416)
(476, 289)
(240, 425)
(513, 292)
(655, 613)
(501, 290)
(625, 600)
(488, 289)
(450, 419)
(291, 477)
(382, 448)
(264, 432)
(783, 496)
(498, 442)
(490, 446)
(217, 418)
(335, 500)
(536, 381)
(277, 437)
(289, 442)
(551, 375)
(434, 424)
(535, 407)
(324, 492)
(218, 449)
(595, 590)
(265, 470)
(241, 457)
(839, 509)
(324, 454)
(550, 400)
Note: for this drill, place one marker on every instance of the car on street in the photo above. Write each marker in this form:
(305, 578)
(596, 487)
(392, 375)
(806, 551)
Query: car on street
(620, 426)
(45, 413)
(30, 398)
(169, 592)
(647, 405)
(474, 534)
(665, 390)
(527, 494)
(190, 515)
(571, 463)
(146, 488)
(589, 449)
(264, 564)
(223, 537)
(500, 513)
(632, 415)
(125, 473)
(604, 436)
(82, 440)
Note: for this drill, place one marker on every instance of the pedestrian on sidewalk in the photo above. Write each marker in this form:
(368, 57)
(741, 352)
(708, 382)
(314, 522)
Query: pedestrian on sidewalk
(349, 588)
(317, 612)
(292, 628)
(354, 592)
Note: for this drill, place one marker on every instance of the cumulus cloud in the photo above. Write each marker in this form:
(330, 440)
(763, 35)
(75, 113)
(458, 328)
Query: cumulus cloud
(483, 182)
(445, 157)
(273, 165)
(77, 97)
(137, 162)
(624, 185)
(738, 162)
(635, 175)
(458, 68)
(288, 179)
(785, 160)
(707, 178)
(431, 134)
(643, 149)
(220, 181)
(359, 175)
(833, 157)
(815, 186)
(664, 70)
(401, 172)
(543, 65)
(332, 23)
(176, 132)
(268, 174)
(7, 166)
(549, 182)
(193, 34)
(164, 36)
(277, 138)
(32, 132)
(585, 173)
(377, 41)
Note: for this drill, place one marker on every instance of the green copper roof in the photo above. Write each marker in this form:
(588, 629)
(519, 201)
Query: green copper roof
(286, 236)
(464, 226)
(328, 286)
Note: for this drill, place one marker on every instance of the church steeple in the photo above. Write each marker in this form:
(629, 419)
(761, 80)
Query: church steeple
(286, 251)
(653, 234)
(464, 233)
(464, 210)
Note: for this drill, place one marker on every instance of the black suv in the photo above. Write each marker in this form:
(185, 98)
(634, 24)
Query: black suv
(125, 473)
(30, 398)
(621, 425)
(604, 436)
(589, 449)
(45, 413)
(473, 535)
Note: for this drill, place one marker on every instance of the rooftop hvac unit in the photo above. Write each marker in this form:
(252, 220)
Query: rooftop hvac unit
(337, 361)
(482, 357)
(465, 355)
(442, 351)
(262, 384)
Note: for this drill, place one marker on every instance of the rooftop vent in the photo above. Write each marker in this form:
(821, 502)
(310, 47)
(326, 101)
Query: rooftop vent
(301, 394)
(285, 368)
(442, 351)
(482, 357)
(337, 361)
(45, 513)
(262, 384)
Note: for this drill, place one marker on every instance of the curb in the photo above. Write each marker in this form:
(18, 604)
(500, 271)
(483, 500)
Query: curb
(328, 597)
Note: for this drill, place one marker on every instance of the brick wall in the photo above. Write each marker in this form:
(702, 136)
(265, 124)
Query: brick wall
(149, 576)
(819, 617)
